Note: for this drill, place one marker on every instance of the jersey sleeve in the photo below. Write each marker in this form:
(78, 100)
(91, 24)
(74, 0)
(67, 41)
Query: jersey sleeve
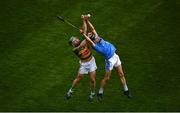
(96, 47)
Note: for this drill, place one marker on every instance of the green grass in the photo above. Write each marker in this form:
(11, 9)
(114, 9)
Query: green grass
(37, 65)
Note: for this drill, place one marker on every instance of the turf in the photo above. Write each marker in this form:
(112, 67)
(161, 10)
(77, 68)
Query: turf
(37, 65)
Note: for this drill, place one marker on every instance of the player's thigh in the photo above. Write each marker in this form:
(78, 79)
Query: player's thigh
(92, 75)
(79, 76)
(119, 70)
(107, 74)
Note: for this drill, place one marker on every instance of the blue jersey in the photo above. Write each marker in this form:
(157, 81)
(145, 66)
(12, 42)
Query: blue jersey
(105, 48)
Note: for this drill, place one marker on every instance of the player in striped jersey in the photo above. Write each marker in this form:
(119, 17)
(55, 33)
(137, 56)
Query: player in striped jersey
(87, 62)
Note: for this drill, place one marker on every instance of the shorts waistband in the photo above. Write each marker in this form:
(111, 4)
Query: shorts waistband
(87, 60)
(111, 56)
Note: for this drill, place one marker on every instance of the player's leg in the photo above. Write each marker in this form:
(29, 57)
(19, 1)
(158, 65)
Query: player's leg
(120, 72)
(109, 67)
(81, 72)
(92, 76)
(77, 80)
(103, 84)
(122, 77)
(74, 83)
(105, 80)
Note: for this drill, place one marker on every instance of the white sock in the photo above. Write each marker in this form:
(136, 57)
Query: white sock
(70, 90)
(125, 87)
(101, 90)
(92, 93)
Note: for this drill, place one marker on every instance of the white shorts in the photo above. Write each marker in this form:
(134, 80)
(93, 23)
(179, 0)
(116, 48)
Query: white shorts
(86, 67)
(114, 61)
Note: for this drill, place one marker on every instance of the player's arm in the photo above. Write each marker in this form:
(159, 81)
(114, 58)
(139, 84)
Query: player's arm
(91, 27)
(84, 24)
(84, 30)
(83, 43)
(87, 38)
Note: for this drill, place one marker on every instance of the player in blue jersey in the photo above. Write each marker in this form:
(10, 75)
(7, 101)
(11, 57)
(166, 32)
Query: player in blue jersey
(111, 58)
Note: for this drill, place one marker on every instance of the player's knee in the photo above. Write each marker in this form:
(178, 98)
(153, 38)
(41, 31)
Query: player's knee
(121, 74)
(93, 80)
(106, 78)
(76, 80)
(79, 78)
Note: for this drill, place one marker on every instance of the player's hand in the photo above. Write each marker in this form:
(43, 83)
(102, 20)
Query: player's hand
(84, 17)
(81, 31)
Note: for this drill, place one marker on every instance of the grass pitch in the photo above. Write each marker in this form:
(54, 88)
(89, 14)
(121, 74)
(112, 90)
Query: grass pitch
(37, 65)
